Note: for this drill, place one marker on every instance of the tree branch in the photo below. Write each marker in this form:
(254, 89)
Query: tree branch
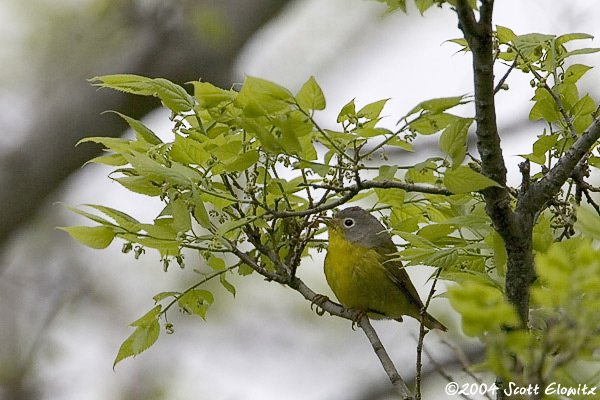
(352, 191)
(333, 309)
(516, 229)
(340, 311)
(479, 37)
(385, 359)
(545, 189)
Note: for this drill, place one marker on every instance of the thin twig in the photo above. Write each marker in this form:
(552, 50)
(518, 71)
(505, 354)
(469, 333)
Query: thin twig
(422, 333)
(444, 374)
(464, 360)
(385, 359)
(503, 79)
(334, 309)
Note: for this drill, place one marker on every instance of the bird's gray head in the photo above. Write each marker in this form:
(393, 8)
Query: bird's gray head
(358, 226)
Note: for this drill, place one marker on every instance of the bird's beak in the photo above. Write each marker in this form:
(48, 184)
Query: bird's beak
(326, 220)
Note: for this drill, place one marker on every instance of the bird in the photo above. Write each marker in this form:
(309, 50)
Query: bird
(363, 272)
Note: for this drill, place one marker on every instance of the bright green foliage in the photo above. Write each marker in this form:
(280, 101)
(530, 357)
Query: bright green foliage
(236, 160)
(556, 100)
(244, 177)
(483, 308)
(564, 316)
(422, 5)
(463, 180)
(146, 333)
(96, 237)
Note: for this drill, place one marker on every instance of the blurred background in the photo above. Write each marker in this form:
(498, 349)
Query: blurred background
(65, 308)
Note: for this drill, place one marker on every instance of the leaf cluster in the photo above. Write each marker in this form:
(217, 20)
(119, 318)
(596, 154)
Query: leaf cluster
(245, 176)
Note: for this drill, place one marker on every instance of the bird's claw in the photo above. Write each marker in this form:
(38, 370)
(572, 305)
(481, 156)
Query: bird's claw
(318, 301)
(358, 315)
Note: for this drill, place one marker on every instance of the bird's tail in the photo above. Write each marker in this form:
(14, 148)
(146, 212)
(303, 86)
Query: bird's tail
(433, 323)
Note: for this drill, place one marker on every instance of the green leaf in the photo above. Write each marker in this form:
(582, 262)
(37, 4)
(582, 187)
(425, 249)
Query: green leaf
(500, 255)
(122, 219)
(584, 106)
(290, 130)
(163, 295)
(86, 214)
(435, 232)
(530, 45)
(228, 286)
(243, 162)
(540, 147)
(125, 83)
(545, 107)
(173, 96)
(588, 222)
(114, 160)
(141, 131)
(166, 247)
(260, 97)
(347, 112)
(196, 301)
(582, 110)
(569, 95)
(216, 263)
(208, 95)
(438, 105)
(218, 201)
(415, 240)
(181, 215)
(453, 140)
(372, 110)
(387, 172)
(176, 173)
(429, 123)
(542, 234)
(504, 35)
(434, 257)
(403, 144)
(228, 151)
(199, 210)
(320, 169)
(371, 132)
(267, 139)
(423, 5)
(394, 5)
(188, 151)
(393, 197)
(310, 96)
(482, 307)
(587, 50)
(233, 224)
(562, 39)
(145, 335)
(461, 42)
(463, 180)
(96, 237)
(575, 72)
(161, 229)
(116, 145)
(139, 184)
(309, 152)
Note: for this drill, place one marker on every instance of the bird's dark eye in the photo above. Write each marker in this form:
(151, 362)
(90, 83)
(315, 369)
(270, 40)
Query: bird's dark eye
(349, 222)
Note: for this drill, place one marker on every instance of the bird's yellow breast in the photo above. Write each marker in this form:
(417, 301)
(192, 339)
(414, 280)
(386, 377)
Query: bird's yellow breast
(358, 278)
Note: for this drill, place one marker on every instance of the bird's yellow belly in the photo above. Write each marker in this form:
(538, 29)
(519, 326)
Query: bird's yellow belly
(359, 280)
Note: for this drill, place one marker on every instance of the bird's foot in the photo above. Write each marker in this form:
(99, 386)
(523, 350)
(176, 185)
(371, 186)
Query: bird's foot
(318, 301)
(358, 314)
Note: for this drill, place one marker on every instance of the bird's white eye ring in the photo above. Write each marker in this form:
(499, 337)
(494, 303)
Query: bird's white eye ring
(348, 222)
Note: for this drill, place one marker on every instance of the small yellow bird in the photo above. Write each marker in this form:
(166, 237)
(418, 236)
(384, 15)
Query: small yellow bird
(362, 273)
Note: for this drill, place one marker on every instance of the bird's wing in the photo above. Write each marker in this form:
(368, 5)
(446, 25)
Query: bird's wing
(396, 271)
